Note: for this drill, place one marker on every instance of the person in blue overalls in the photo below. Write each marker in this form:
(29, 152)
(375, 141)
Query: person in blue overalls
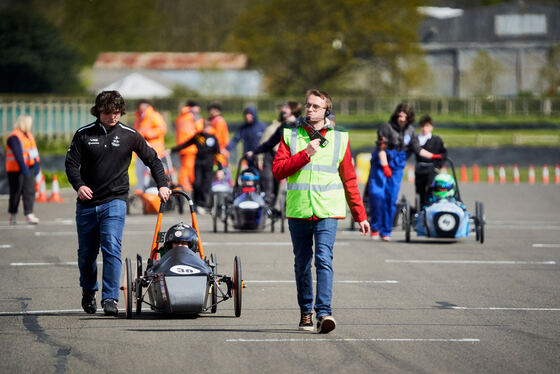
(396, 140)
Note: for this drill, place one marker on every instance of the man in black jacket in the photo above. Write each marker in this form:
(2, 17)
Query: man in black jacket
(425, 170)
(97, 164)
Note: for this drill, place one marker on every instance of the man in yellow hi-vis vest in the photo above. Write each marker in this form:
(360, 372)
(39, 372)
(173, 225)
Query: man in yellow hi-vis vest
(317, 163)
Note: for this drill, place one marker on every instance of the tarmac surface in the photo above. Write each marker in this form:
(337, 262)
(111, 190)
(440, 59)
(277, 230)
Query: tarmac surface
(421, 307)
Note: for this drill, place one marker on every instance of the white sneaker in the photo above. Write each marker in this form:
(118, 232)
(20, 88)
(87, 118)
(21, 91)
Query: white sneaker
(31, 219)
(12, 219)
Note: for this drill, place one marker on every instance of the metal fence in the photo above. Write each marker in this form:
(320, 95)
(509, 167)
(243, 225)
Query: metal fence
(62, 117)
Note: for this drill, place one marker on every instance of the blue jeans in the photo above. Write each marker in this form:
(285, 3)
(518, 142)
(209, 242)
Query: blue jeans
(100, 226)
(324, 232)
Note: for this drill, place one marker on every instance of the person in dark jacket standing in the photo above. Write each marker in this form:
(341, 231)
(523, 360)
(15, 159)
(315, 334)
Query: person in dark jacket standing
(250, 132)
(425, 169)
(396, 140)
(97, 164)
(22, 165)
(208, 153)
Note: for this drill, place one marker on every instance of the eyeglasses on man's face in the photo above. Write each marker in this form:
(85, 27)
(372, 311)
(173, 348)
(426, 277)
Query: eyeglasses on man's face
(313, 106)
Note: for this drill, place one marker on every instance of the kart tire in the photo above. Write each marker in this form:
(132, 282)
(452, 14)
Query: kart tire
(214, 298)
(481, 221)
(406, 221)
(128, 288)
(237, 286)
(138, 284)
(215, 212)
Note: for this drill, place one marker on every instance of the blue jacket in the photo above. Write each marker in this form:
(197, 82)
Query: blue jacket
(249, 133)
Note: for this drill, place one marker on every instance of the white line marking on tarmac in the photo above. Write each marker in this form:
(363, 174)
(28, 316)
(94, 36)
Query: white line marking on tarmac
(538, 245)
(406, 340)
(5, 246)
(67, 263)
(500, 308)
(340, 282)
(31, 312)
(477, 262)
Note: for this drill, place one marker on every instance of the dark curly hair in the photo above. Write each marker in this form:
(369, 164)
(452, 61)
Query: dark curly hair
(108, 102)
(403, 107)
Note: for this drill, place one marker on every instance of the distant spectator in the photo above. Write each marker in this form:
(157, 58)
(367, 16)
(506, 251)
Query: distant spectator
(187, 124)
(151, 125)
(22, 165)
(425, 170)
(250, 132)
(219, 124)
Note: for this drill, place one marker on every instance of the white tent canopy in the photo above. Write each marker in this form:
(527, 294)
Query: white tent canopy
(137, 86)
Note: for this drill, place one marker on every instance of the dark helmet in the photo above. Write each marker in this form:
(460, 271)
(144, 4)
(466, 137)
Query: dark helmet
(181, 233)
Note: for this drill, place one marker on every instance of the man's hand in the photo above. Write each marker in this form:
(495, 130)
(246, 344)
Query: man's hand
(436, 157)
(364, 228)
(387, 171)
(312, 147)
(249, 155)
(164, 193)
(85, 193)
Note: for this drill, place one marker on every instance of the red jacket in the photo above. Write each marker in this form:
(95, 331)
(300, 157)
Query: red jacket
(286, 164)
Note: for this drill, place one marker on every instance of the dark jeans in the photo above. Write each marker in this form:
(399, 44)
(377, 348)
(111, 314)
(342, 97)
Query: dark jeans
(21, 186)
(203, 175)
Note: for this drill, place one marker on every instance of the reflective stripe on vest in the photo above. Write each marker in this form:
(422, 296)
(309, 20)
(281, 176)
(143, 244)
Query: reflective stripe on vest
(29, 150)
(316, 189)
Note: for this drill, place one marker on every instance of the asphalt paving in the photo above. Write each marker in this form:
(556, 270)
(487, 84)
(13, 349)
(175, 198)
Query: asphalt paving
(421, 307)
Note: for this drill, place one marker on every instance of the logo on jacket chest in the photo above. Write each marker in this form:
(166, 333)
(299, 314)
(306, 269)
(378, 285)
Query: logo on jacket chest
(116, 141)
(93, 141)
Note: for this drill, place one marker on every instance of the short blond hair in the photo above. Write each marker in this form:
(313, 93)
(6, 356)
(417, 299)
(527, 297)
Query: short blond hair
(24, 123)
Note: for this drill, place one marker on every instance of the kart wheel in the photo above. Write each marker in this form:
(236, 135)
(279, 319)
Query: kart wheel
(214, 298)
(237, 286)
(226, 213)
(138, 284)
(215, 212)
(128, 288)
(481, 221)
(406, 221)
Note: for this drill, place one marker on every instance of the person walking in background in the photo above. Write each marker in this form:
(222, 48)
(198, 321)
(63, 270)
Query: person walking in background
(289, 112)
(425, 169)
(249, 133)
(208, 154)
(151, 125)
(320, 179)
(187, 124)
(22, 165)
(221, 131)
(97, 164)
(396, 140)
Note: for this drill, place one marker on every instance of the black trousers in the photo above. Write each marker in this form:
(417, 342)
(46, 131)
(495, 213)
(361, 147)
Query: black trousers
(203, 175)
(422, 181)
(269, 184)
(21, 186)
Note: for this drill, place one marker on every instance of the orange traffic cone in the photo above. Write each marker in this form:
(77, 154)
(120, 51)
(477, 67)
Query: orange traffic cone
(42, 196)
(531, 174)
(490, 174)
(557, 174)
(55, 195)
(502, 174)
(411, 175)
(475, 175)
(463, 174)
(545, 175)
(516, 178)
(38, 182)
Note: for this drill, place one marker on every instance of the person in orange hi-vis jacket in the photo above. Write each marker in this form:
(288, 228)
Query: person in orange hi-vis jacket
(219, 124)
(187, 124)
(151, 125)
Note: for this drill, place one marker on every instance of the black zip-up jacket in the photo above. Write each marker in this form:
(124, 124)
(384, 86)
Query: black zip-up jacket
(426, 165)
(99, 158)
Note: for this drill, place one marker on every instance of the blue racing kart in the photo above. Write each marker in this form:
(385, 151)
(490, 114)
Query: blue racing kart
(443, 217)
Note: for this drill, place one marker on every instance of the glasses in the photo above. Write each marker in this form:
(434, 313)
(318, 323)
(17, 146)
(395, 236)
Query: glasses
(313, 106)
